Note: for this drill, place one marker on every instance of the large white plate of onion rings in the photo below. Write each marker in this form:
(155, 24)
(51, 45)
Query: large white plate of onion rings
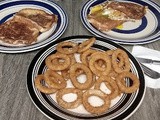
(121, 106)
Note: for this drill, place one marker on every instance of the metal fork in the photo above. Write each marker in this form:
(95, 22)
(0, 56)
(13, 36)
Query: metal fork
(149, 72)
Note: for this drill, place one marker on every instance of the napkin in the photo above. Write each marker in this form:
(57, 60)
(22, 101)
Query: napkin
(139, 51)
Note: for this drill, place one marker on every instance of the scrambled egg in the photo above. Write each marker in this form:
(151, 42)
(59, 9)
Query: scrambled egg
(109, 12)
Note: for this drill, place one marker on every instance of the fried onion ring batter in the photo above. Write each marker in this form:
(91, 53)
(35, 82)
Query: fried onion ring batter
(54, 79)
(69, 105)
(86, 45)
(58, 65)
(43, 88)
(100, 56)
(114, 88)
(67, 47)
(126, 66)
(85, 56)
(96, 109)
(89, 77)
(127, 89)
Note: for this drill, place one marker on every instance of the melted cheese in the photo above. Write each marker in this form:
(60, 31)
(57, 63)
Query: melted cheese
(115, 15)
(110, 13)
(95, 8)
(120, 27)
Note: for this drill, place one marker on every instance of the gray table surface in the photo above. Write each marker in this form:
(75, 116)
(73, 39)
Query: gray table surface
(15, 103)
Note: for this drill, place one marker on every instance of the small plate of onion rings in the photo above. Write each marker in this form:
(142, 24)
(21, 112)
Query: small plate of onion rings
(85, 77)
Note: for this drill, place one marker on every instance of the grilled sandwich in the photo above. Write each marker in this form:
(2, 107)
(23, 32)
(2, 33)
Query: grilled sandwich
(26, 25)
(40, 18)
(18, 31)
(111, 14)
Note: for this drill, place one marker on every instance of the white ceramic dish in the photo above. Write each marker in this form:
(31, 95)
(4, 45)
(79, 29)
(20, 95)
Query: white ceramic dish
(122, 107)
(139, 32)
(10, 7)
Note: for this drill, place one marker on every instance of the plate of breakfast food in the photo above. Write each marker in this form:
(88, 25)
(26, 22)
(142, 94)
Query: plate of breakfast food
(124, 22)
(29, 25)
(85, 77)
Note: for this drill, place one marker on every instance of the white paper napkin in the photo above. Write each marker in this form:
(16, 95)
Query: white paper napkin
(139, 51)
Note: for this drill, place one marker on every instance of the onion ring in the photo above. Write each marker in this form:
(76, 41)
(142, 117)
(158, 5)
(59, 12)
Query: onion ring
(57, 65)
(114, 88)
(65, 73)
(100, 65)
(113, 74)
(96, 109)
(86, 45)
(125, 88)
(85, 56)
(67, 47)
(57, 60)
(89, 77)
(100, 56)
(54, 79)
(43, 88)
(120, 60)
(69, 105)
(126, 66)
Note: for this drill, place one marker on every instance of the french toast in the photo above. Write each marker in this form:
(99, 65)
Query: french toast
(43, 20)
(18, 31)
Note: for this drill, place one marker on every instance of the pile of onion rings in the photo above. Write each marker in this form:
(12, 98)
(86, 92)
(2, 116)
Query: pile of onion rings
(111, 67)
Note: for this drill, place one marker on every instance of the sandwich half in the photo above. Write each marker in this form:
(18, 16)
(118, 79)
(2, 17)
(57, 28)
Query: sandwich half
(26, 25)
(111, 14)
(18, 31)
(40, 18)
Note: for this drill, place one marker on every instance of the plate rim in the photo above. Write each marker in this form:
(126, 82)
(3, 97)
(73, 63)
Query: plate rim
(36, 46)
(117, 40)
(29, 77)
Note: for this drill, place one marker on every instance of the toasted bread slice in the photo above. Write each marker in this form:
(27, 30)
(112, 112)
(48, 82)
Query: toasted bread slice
(131, 10)
(43, 20)
(18, 31)
(104, 24)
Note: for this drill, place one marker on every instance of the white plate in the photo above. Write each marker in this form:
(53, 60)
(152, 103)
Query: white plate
(9, 7)
(121, 108)
(140, 32)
